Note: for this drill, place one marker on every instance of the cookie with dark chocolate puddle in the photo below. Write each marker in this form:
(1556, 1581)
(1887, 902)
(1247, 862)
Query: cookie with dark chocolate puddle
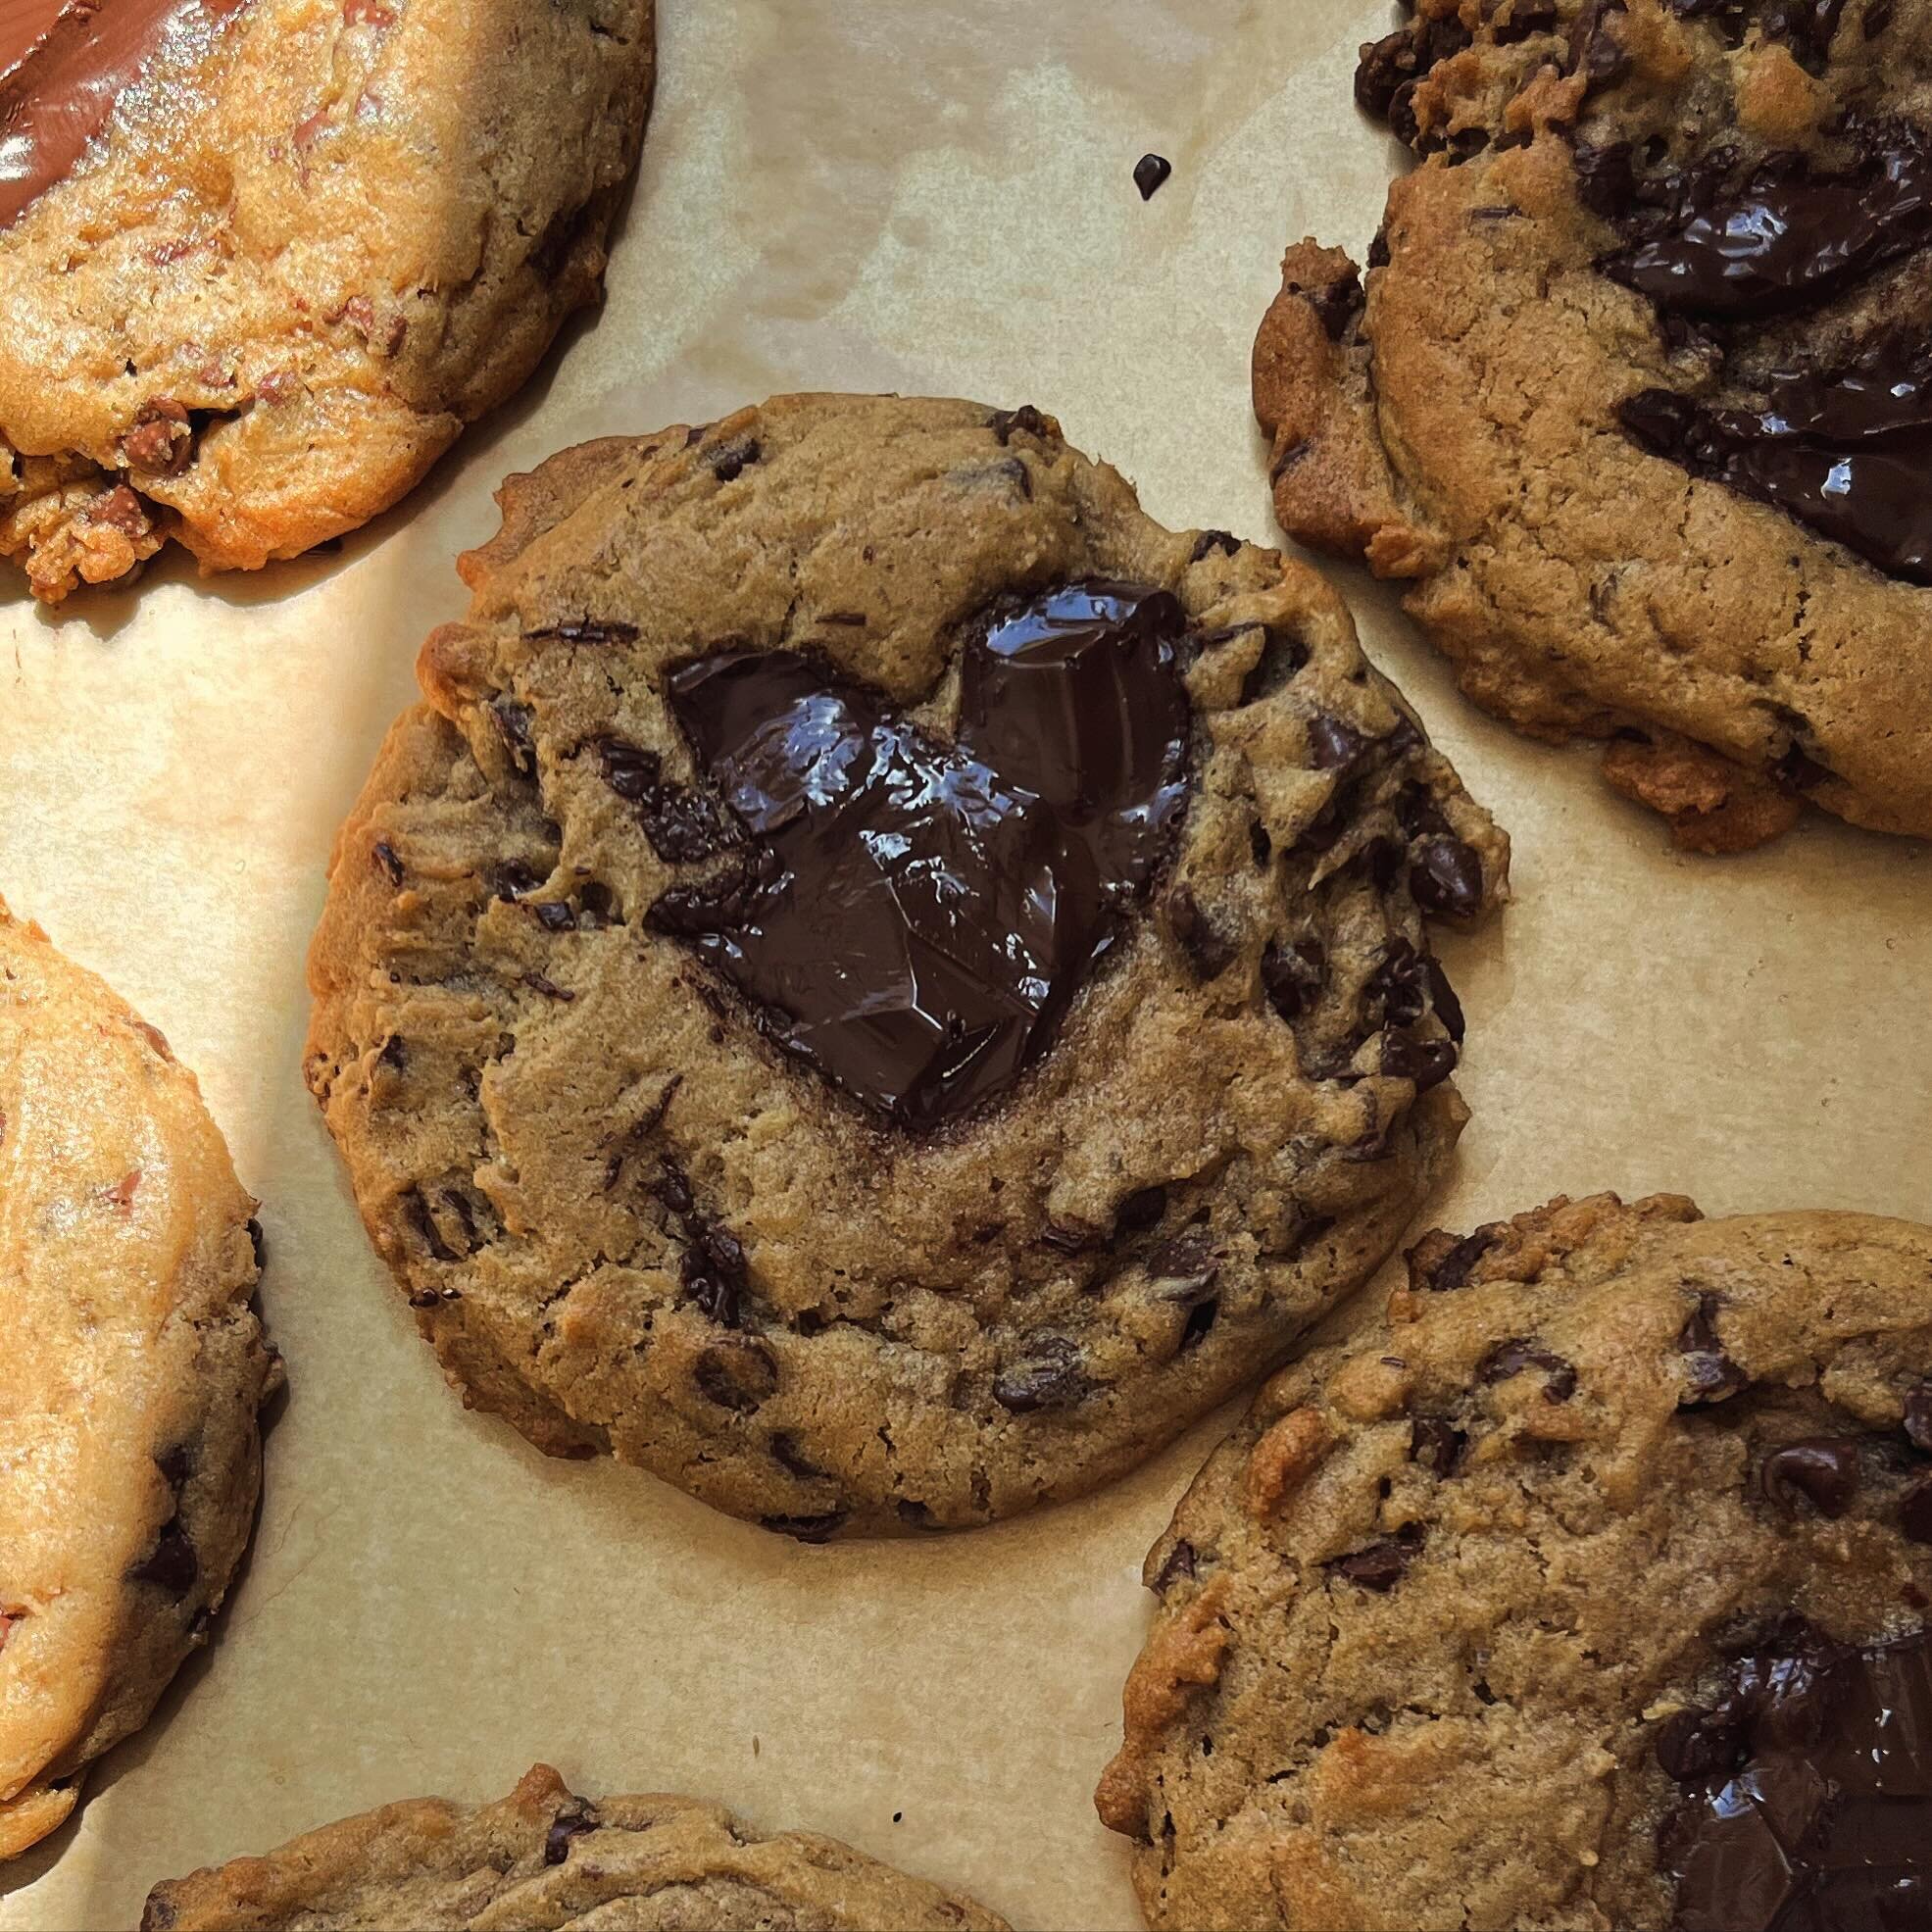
(1591, 1588)
(881, 984)
(1635, 396)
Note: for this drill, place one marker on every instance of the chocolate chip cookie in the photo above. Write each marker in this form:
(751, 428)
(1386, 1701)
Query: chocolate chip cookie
(130, 1381)
(262, 260)
(881, 984)
(1591, 1591)
(1639, 394)
(543, 1857)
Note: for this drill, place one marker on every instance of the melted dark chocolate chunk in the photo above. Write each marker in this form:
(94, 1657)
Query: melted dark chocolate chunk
(916, 918)
(1806, 1791)
(1850, 455)
(64, 63)
(1783, 237)
(1823, 1470)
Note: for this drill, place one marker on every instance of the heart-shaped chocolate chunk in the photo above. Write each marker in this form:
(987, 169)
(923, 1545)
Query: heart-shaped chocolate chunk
(912, 919)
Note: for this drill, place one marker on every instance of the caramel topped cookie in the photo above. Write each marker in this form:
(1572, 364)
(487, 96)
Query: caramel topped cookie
(129, 1385)
(881, 984)
(1636, 394)
(262, 260)
(1591, 1591)
(545, 1857)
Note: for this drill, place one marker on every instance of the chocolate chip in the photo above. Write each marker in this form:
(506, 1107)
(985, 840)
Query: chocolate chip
(1282, 655)
(805, 1529)
(1141, 1209)
(1399, 985)
(417, 1210)
(574, 1816)
(384, 855)
(1380, 1564)
(1048, 1376)
(1150, 171)
(1710, 1372)
(1918, 1416)
(1916, 1511)
(1293, 976)
(730, 462)
(161, 442)
(513, 723)
(513, 880)
(1416, 811)
(1426, 1062)
(1336, 304)
(1436, 1443)
(1186, 1266)
(1070, 1238)
(1201, 1317)
(786, 1453)
(1210, 951)
(1180, 1563)
(1442, 997)
(1455, 1267)
(1209, 541)
(713, 1269)
(1025, 421)
(394, 1054)
(1823, 1469)
(584, 630)
(171, 1564)
(1446, 876)
(1512, 1358)
(1527, 17)
(683, 825)
(554, 915)
(1333, 746)
(1696, 1744)
(741, 1377)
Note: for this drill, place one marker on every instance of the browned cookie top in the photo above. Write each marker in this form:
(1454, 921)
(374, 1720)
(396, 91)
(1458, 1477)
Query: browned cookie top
(1589, 1592)
(544, 1857)
(881, 982)
(1639, 394)
(130, 1379)
(262, 259)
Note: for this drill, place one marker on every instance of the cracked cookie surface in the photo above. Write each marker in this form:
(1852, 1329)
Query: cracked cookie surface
(637, 1208)
(132, 1379)
(312, 241)
(1453, 1628)
(544, 1857)
(1648, 483)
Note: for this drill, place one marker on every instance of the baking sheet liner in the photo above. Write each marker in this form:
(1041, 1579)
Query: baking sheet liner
(933, 198)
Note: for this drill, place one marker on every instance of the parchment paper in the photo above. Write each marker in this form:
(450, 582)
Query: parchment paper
(929, 197)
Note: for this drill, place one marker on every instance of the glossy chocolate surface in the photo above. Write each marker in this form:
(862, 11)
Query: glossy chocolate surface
(63, 66)
(1850, 455)
(1806, 1791)
(914, 918)
(1784, 238)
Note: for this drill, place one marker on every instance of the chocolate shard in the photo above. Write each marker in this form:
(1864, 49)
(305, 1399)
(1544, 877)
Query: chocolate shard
(915, 918)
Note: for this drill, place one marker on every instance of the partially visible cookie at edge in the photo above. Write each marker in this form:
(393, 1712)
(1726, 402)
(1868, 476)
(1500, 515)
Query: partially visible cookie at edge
(1647, 485)
(1590, 1591)
(131, 1380)
(545, 1857)
(953, 1234)
(263, 262)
